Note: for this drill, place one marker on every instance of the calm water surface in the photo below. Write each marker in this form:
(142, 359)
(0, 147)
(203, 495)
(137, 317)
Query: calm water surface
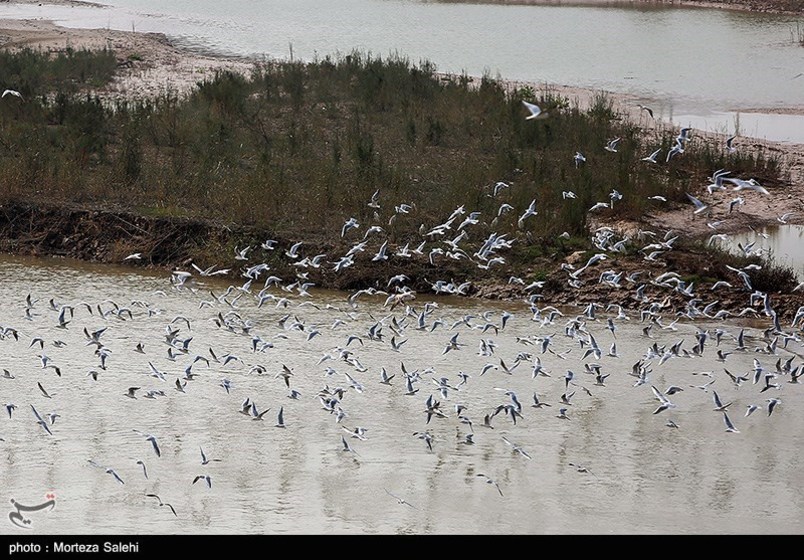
(643, 477)
(783, 244)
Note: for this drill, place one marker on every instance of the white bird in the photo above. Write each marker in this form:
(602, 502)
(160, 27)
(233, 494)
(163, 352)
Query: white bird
(351, 223)
(241, 254)
(652, 157)
(152, 439)
(730, 145)
(516, 448)
(13, 92)
(699, 206)
(739, 201)
(729, 426)
(205, 477)
(489, 480)
(381, 254)
(347, 447)
(374, 203)
(784, 217)
(750, 185)
(399, 500)
(717, 181)
(293, 252)
(531, 211)
(719, 406)
(611, 146)
(204, 459)
(599, 206)
(280, 418)
(665, 402)
(677, 149)
(39, 420)
(535, 111)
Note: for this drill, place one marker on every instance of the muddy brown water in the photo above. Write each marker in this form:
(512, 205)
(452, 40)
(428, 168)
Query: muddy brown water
(640, 475)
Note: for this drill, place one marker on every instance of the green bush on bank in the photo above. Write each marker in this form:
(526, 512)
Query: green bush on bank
(299, 147)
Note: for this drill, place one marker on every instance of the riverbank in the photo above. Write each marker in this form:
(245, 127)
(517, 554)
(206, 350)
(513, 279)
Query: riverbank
(793, 7)
(169, 243)
(150, 67)
(765, 6)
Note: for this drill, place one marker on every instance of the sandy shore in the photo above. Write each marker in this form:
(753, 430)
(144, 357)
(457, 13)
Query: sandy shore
(150, 65)
(767, 6)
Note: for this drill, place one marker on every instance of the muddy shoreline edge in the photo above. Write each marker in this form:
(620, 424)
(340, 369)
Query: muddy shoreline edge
(175, 243)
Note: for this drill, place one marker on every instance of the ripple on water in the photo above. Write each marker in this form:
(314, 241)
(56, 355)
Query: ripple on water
(298, 479)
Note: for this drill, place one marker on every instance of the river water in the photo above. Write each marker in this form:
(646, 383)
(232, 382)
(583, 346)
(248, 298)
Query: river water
(638, 475)
(696, 67)
(781, 244)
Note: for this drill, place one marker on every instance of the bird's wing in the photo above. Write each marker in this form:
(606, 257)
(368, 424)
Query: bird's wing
(658, 394)
(534, 109)
(695, 201)
(36, 414)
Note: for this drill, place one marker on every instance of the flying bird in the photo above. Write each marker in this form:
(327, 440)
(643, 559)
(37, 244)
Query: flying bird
(13, 92)
(162, 504)
(534, 110)
(611, 146)
(205, 477)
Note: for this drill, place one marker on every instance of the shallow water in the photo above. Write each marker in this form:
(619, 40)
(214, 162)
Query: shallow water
(776, 127)
(683, 61)
(643, 477)
(783, 244)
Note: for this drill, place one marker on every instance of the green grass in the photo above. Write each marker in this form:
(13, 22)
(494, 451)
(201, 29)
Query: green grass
(38, 73)
(296, 148)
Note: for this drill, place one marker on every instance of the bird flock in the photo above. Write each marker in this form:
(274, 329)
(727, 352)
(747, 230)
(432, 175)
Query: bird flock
(384, 369)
